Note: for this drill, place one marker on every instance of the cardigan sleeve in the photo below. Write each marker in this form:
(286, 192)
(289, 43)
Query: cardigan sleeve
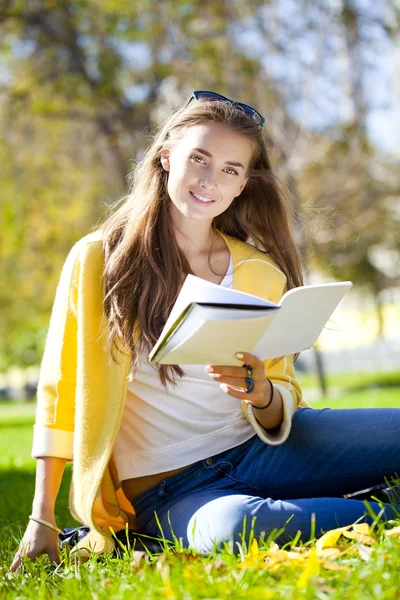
(282, 375)
(54, 424)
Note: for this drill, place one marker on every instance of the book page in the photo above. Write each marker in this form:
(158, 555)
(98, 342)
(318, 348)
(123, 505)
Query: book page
(303, 314)
(196, 289)
(196, 318)
(289, 328)
(216, 342)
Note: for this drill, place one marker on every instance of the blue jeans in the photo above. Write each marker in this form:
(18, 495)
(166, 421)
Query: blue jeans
(328, 453)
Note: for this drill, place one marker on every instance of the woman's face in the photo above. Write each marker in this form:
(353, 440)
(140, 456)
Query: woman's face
(207, 170)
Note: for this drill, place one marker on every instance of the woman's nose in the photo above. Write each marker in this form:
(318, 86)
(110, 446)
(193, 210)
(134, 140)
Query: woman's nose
(208, 180)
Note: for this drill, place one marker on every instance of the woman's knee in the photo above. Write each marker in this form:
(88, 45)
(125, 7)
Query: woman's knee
(221, 520)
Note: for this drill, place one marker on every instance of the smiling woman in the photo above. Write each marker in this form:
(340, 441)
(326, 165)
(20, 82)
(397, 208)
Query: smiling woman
(209, 180)
(201, 448)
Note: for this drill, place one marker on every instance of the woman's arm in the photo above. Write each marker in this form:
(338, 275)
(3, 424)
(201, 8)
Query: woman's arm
(271, 417)
(55, 414)
(49, 472)
(55, 409)
(39, 539)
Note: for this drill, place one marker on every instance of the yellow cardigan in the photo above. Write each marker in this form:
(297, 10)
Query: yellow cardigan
(81, 392)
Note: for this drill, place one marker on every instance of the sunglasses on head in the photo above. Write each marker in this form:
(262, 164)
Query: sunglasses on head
(249, 110)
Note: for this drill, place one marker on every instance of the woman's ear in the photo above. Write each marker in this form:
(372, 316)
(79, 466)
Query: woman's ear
(243, 185)
(164, 158)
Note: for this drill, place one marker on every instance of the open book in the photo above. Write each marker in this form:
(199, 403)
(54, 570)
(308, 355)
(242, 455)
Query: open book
(208, 323)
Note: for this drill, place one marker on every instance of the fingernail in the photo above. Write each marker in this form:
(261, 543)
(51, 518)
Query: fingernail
(224, 387)
(239, 355)
(209, 369)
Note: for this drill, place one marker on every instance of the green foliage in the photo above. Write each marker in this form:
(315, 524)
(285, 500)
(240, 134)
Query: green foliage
(352, 381)
(369, 573)
(71, 126)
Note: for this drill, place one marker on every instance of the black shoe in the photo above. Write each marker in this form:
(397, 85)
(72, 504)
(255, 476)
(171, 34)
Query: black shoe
(136, 541)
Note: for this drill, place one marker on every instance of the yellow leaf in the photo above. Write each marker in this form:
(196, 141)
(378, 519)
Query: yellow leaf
(329, 553)
(296, 556)
(254, 550)
(359, 537)
(255, 556)
(312, 568)
(330, 537)
(273, 547)
(334, 567)
(138, 558)
(363, 528)
(169, 592)
(393, 532)
(365, 552)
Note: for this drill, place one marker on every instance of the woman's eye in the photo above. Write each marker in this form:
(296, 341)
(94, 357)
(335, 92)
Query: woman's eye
(194, 156)
(230, 169)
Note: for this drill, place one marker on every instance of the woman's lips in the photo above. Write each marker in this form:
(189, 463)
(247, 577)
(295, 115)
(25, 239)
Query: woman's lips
(200, 201)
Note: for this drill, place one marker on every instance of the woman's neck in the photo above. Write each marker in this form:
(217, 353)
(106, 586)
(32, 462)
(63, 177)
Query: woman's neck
(195, 242)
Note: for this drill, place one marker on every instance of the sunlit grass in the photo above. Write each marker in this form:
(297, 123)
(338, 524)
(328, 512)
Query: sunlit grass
(244, 571)
(351, 380)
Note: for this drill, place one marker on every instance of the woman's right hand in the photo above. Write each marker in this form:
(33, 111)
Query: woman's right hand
(38, 539)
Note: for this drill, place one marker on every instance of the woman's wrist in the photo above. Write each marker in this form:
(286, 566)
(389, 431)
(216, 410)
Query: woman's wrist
(45, 523)
(267, 401)
(271, 417)
(44, 511)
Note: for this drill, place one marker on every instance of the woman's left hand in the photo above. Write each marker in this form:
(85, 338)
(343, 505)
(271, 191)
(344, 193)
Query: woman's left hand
(234, 377)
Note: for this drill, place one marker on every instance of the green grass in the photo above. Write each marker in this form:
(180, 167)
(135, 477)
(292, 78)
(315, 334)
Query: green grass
(352, 380)
(369, 398)
(176, 575)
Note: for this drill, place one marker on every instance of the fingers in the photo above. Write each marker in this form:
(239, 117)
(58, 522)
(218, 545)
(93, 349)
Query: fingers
(241, 372)
(251, 359)
(23, 552)
(255, 397)
(234, 372)
(16, 563)
(239, 382)
(28, 550)
(54, 555)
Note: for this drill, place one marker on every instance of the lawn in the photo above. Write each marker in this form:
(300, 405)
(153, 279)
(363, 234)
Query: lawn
(368, 565)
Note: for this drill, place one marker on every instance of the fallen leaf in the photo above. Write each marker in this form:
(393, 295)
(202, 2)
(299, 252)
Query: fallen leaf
(138, 558)
(300, 549)
(330, 537)
(273, 547)
(365, 552)
(335, 567)
(164, 573)
(359, 537)
(364, 528)
(393, 532)
(311, 569)
(218, 565)
(330, 553)
(255, 556)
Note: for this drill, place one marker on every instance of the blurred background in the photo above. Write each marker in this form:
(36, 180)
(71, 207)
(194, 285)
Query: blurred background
(82, 84)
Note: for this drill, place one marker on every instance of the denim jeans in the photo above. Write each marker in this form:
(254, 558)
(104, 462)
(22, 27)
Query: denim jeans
(328, 453)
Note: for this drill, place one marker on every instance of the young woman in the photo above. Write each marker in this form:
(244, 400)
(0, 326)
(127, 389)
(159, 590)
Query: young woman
(197, 447)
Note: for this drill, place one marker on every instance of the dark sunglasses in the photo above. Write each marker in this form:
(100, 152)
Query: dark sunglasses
(249, 110)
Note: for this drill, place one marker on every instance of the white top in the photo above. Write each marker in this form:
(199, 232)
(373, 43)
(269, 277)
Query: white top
(164, 429)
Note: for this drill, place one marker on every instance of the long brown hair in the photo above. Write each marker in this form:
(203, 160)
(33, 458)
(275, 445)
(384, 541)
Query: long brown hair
(143, 263)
